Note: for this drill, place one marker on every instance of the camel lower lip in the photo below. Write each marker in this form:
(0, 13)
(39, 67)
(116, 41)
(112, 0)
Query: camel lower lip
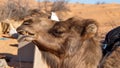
(25, 38)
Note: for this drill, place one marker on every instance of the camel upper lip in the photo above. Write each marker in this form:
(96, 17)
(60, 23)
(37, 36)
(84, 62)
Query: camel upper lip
(24, 32)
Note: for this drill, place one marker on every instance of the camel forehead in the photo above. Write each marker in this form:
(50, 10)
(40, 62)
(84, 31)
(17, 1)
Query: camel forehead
(42, 21)
(39, 21)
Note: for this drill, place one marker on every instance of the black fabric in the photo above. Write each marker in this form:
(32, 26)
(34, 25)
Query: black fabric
(112, 35)
(111, 38)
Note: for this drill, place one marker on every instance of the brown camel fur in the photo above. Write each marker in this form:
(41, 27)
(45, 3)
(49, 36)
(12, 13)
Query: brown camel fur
(65, 44)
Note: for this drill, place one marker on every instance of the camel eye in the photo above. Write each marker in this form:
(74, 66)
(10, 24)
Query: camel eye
(26, 23)
(59, 32)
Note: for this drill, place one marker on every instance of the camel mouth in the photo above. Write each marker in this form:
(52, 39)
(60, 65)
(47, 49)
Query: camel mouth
(27, 36)
(26, 33)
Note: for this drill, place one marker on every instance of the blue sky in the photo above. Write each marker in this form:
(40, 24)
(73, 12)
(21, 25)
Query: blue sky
(95, 1)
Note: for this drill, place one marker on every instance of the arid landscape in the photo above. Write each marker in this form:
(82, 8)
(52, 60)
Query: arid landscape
(107, 15)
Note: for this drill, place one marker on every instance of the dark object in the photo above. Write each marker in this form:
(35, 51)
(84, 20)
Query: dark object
(5, 57)
(112, 41)
(111, 38)
(15, 35)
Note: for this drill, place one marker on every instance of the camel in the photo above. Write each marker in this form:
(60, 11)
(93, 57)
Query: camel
(65, 44)
(9, 27)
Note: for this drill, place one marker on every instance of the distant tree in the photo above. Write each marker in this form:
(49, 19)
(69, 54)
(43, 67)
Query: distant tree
(54, 5)
(103, 3)
(15, 9)
(100, 3)
(60, 5)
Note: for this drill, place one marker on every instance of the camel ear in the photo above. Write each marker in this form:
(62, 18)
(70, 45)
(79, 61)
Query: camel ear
(90, 28)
